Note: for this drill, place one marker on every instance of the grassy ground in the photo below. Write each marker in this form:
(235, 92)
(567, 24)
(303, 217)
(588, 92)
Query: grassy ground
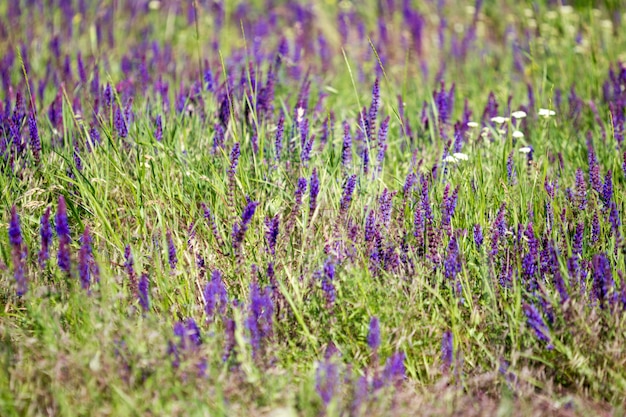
(321, 208)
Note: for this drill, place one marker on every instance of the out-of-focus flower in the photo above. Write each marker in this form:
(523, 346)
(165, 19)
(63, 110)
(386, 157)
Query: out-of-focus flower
(520, 114)
(546, 113)
(499, 119)
(517, 134)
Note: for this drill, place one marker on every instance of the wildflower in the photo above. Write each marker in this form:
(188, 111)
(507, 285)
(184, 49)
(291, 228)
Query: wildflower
(240, 228)
(326, 381)
(278, 143)
(472, 124)
(35, 142)
(373, 112)
(158, 133)
(346, 197)
(450, 159)
(314, 188)
(346, 154)
(327, 283)
(144, 292)
(45, 232)
(85, 259)
(603, 282)
(259, 321)
(271, 232)
(129, 265)
(607, 189)
(460, 156)
(525, 149)
(447, 350)
(215, 296)
(520, 114)
(18, 252)
(499, 119)
(394, 371)
(478, 236)
(171, 250)
(518, 135)
(536, 322)
(373, 336)
(546, 113)
(63, 232)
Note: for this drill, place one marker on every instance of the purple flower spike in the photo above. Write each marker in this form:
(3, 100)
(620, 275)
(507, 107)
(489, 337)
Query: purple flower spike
(144, 292)
(129, 265)
(535, 321)
(327, 381)
(158, 133)
(346, 197)
(35, 142)
(271, 233)
(171, 250)
(394, 372)
(240, 228)
(18, 253)
(63, 232)
(260, 317)
(346, 153)
(215, 296)
(45, 232)
(373, 336)
(447, 351)
(85, 260)
(478, 236)
(314, 189)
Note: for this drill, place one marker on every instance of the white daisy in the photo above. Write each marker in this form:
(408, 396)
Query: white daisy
(517, 134)
(520, 114)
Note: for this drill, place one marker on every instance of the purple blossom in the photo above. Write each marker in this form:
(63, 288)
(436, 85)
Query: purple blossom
(373, 112)
(280, 127)
(394, 371)
(235, 153)
(478, 236)
(577, 246)
(85, 260)
(346, 154)
(213, 224)
(45, 232)
(129, 265)
(447, 350)
(607, 190)
(328, 287)
(373, 336)
(171, 250)
(63, 232)
(35, 142)
(581, 190)
(382, 142)
(346, 197)
(215, 296)
(260, 317)
(535, 321)
(158, 133)
(314, 188)
(326, 381)
(120, 123)
(143, 293)
(271, 232)
(603, 282)
(18, 252)
(240, 228)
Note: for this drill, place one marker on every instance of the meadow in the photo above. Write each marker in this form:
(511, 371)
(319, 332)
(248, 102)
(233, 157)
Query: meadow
(289, 208)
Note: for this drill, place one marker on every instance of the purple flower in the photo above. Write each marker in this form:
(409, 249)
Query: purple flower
(235, 153)
(327, 381)
(271, 232)
(394, 371)
(240, 228)
(346, 153)
(129, 265)
(478, 236)
(120, 123)
(260, 317)
(535, 321)
(452, 264)
(595, 228)
(581, 190)
(215, 296)
(45, 232)
(346, 197)
(18, 252)
(577, 246)
(603, 282)
(35, 142)
(144, 292)
(158, 133)
(607, 190)
(280, 127)
(328, 287)
(373, 112)
(212, 223)
(171, 250)
(314, 188)
(85, 260)
(510, 169)
(373, 336)
(63, 232)
(447, 351)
